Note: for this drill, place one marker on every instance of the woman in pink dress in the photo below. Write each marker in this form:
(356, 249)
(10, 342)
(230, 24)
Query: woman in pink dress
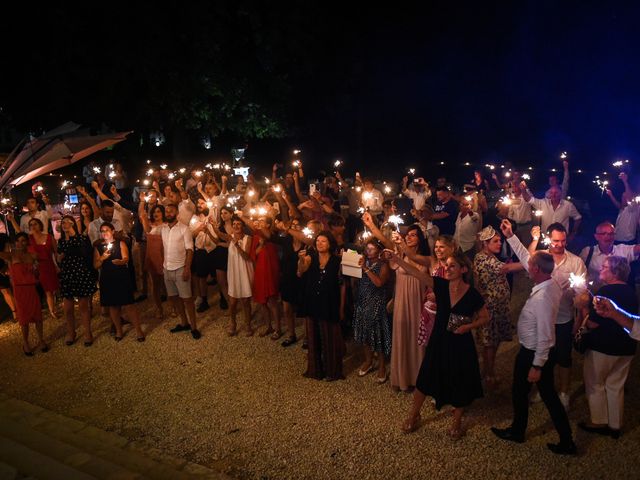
(154, 255)
(44, 246)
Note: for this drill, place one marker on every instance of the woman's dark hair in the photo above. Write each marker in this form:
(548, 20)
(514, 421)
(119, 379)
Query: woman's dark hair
(333, 245)
(83, 227)
(236, 218)
(109, 225)
(153, 211)
(22, 234)
(423, 246)
(39, 222)
(227, 209)
(73, 222)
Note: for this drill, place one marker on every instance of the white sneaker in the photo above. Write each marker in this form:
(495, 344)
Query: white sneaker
(564, 400)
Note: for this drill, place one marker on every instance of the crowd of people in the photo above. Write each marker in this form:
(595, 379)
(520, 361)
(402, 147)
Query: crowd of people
(432, 285)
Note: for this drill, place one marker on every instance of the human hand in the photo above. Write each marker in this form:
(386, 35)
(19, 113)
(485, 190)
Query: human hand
(94, 185)
(113, 190)
(535, 233)
(534, 375)
(506, 228)
(463, 329)
(186, 274)
(605, 307)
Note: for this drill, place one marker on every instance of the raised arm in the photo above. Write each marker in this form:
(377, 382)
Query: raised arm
(89, 198)
(422, 275)
(368, 221)
(565, 179)
(521, 252)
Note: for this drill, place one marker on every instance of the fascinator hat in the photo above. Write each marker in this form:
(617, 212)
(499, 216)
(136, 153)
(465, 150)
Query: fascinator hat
(487, 233)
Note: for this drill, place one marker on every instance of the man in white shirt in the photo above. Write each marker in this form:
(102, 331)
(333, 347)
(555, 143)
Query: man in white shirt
(595, 255)
(555, 210)
(534, 364)
(566, 263)
(371, 198)
(467, 227)
(564, 186)
(178, 255)
(32, 212)
(418, 192)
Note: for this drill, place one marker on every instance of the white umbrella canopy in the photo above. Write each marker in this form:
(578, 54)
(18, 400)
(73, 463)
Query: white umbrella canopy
(55, 149)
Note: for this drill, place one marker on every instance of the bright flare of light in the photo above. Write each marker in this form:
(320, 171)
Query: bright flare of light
(506, 200)
(367, 196)
(198, 173)
(546, 241)
(576, 280)
(412, 171)
(163, 166)
(617, 164)
(262, 211)
(251, 193)
(387, 189)
(277, 188)
(209, 204)
(538, 213)
(64, 184)
(297, 152)
(252, 211)
(296, 163)
(507, 174)
(395, 219)
(358, 189)
(267, 181)
(148, 162)
(337, 163)
(468, 198)
(150, 172)
(526, 176)
(109, 246)
(171, 176)
(366, 235)
(145, 182)
(307, 232)
(361, 210)
(182, 170)
(563, 155)
(96, 169)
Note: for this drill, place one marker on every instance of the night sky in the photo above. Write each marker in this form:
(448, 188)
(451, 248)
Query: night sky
(511, 81)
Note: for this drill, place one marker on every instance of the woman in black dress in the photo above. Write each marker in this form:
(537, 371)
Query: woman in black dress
(324, 302)
(450, 372)
(77, 278)
(111, 257)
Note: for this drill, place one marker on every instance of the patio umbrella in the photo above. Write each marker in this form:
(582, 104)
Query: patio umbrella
(56, 149)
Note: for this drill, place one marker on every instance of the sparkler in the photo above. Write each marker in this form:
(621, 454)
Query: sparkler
(507, 174)
(147, 198)
(148, 162)
(39, 188)
(366, 234)
(297, 152)
(182, 170)
(198, 173)
(145, 182)
(209, 204)
(617, 164)
(251, 193)
(307, 232)
(506, 200)
(563, 155)
(337, 163)
(387, 189)
(577, 281)
(546, 241)
(412, 171)
(150, 172)
(96, 169)
(296, 163)
(526, 176)
(396, 220)
(367, 196)
(267, 181)
(112, 174)
(109, 246)
(467, 164)
(65, 183)
(171, 176)
(538, 214)
(252, 211)
(277, 188)
(358, 189)
(262, 211)
(163, 166)
(468, 198)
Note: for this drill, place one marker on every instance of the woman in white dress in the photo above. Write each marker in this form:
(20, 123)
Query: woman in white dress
(239, 275)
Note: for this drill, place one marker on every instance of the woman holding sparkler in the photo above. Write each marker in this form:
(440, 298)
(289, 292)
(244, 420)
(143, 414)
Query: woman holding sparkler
(111, 257)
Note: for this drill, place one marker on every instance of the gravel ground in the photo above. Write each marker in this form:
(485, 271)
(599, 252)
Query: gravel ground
(241, 405)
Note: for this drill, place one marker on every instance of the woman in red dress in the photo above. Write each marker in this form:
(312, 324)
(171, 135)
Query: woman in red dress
(22, 268)
(44, 246)
(266, 278)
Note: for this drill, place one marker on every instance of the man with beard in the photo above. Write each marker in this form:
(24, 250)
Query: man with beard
(177, 244)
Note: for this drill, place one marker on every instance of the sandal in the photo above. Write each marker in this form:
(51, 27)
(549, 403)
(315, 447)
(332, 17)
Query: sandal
(411, 424)
(68, 343)
(363, 372)
(232, 331)
(28, 353)
(276, 335)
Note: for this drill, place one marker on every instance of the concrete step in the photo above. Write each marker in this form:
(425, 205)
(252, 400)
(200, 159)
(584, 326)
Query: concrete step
(89, 450)
(34, 464)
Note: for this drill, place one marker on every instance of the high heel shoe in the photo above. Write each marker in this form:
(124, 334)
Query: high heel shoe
(28, 353)
(411, 424)
(68, 343)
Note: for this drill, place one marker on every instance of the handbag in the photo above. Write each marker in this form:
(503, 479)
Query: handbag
(456, 321)
(581, 338)
(427, 319)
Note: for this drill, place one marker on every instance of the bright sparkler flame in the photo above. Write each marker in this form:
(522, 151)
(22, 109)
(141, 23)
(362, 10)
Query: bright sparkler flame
(506, 200)
(387, 189)
(150, 172)
(563, 155)
(617, 164)
(145, 182)
(395, 219)
(182, 170)
(412, 171)
(251, 193)
(307, 232)
(367, 196)
(337, 163)
(538, 213)
(163, 166)
(198, 173)
(526, 176)
(576, 280)
(96, 169)
(296, 163)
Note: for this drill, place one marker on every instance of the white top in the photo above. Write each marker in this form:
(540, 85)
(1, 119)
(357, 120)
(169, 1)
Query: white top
(627, 222)
(597, 259)
(202, 240)
(176, 241)
(561, 272)
(374, 203)
(239, 270)
(564, 187)
(519, 210)
(43, 215)
(186, 209)
(466, 230)
(536, 324)
(561, 214)
(419, 198)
